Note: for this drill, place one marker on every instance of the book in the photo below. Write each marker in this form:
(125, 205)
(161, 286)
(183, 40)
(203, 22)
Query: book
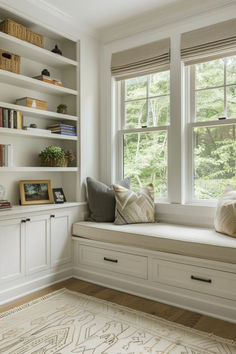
(5, 117)
(11, 119)
(1, 117)
(19, 120)
(6, 155)
(61, 125)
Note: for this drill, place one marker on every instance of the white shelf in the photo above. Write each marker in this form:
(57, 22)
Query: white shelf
(38, 169)
(10, 78)
(33, 52)
(21, 209)
(38, 113)
(18, 132)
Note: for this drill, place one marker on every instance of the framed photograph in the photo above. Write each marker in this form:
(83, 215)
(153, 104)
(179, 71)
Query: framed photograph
(36, 192)
(58, 195)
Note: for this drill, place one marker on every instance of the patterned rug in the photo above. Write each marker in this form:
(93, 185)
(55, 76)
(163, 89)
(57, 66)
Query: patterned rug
(69, 322)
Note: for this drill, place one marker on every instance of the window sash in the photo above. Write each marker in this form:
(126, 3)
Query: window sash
(191, 123)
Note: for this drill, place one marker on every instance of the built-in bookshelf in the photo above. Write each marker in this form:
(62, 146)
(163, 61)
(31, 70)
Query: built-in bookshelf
(27, 144)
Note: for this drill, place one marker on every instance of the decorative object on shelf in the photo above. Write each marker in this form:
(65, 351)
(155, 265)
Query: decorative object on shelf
(53, 156)
(19, 31)
(45, 72)
(58, 195)
(35, 192)
(37, 130)
(9, 61)
(46, 78)
(62, 129)
(33, 125)
(57, 50)
(71, 158)
(32, 103)
(62, 108)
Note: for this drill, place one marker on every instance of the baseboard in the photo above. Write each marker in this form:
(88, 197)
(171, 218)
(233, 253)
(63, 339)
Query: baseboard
(215, 309)
(26, 288)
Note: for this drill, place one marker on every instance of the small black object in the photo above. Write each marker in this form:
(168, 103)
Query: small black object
(33, 125)
(23, 220)
(28, 219)
(45, 72)
(57, 50)
(52, 216)
(144, 126)
(58, 195)
(221, 118)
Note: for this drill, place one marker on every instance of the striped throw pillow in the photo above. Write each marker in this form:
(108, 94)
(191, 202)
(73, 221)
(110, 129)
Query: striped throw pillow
(133, 208)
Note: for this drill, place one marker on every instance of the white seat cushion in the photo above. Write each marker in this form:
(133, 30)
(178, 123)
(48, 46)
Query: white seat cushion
(184, 240)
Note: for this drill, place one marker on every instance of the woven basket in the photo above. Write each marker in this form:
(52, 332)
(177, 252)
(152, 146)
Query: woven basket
(9, 61)
(17, 30)
(53, 163)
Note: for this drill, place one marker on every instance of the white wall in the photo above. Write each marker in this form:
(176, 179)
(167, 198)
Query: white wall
(175, 212)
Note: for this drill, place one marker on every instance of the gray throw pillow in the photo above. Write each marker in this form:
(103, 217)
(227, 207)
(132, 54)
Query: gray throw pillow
(101, 199)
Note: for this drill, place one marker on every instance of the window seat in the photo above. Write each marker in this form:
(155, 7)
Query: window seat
(170, 238)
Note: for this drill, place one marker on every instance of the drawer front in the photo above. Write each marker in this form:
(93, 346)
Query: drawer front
(200, 279)
(119, 262)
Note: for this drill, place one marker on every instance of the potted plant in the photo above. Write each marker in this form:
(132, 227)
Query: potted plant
(62, 108)
(53, 156)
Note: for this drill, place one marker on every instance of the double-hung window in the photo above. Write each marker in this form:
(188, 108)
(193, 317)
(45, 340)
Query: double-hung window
(145, 117)
(212, 127)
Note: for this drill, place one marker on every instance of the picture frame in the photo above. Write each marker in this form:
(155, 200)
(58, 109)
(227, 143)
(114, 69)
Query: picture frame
(33, 192)
(59, 196)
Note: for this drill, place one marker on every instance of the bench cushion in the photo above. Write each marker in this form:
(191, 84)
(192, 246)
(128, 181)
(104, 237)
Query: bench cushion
(170, 238)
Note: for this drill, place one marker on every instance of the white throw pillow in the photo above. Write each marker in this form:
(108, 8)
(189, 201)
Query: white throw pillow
(225, 217)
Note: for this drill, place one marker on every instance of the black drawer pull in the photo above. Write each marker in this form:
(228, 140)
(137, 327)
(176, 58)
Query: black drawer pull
(110, 260)
(28, 219)
(23, 220)
(201, 279)
(52, 216)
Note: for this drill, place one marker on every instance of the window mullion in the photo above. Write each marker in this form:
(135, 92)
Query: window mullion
(225, 90)
(147, 100)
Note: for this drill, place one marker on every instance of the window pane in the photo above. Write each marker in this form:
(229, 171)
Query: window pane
(136, 114)
(145, 160)
(210, 74)
(231, 70)
(159, 111)
(231, 102)
(160, 83)
(209, 104)
(214, 160)
(136, 88)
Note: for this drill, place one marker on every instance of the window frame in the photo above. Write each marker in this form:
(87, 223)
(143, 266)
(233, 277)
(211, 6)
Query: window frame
(191, 123)
(121, 130)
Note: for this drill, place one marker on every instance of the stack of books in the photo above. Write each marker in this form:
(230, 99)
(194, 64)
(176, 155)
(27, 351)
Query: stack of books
(4, 204)
(63, 129)
(10, 118)
(6, 155)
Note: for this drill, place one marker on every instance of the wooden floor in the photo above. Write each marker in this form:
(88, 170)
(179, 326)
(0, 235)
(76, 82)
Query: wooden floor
(171, 313)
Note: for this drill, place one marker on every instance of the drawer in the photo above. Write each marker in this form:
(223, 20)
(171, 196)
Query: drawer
(195, 278)
(114, 261)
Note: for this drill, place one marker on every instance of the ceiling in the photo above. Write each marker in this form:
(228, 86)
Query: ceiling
(105, 18)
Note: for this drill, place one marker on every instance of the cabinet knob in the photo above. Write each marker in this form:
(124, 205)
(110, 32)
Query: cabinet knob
(23, 220)
(52, 216)
(28, 219)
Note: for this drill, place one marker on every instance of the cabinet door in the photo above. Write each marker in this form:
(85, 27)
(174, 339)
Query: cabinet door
(12, 245)
(37, 243)
(60, 239)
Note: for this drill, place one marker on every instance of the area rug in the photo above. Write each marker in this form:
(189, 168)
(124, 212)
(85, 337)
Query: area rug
(69, 322)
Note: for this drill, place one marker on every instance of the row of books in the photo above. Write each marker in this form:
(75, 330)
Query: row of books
(10, 118)
(6, 155)
(63, 129)
(5, 204)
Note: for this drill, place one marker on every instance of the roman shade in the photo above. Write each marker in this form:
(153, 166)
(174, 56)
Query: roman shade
(143, 60)
(211, 42)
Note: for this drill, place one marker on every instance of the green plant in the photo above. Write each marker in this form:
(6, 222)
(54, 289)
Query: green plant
(61, 106)
(53, 153)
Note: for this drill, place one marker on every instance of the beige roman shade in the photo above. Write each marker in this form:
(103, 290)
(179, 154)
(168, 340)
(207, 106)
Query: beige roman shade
(209, 42)
(146, 59)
